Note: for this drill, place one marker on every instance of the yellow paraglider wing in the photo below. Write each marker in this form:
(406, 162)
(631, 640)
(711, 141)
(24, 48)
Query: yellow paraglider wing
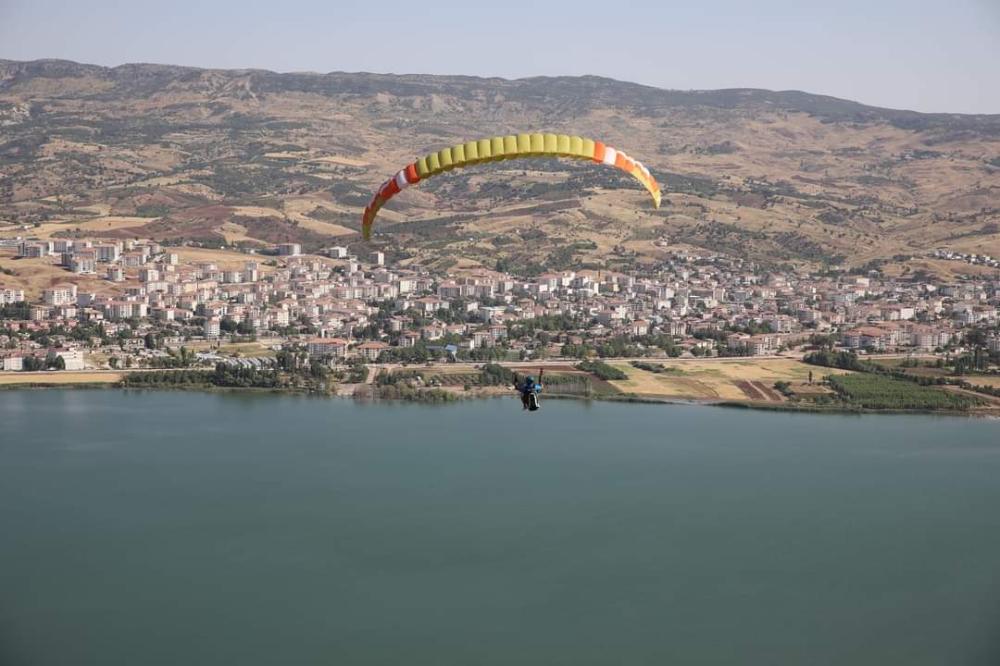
(509, 147)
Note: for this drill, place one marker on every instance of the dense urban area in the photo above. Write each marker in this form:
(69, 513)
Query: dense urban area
(329, 322)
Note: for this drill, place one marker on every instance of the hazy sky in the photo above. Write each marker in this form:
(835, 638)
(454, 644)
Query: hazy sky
(940, 55)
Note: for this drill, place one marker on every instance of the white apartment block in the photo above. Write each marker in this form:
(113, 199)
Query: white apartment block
(73, 358)
(34, 250)
(108, 252)
(212, 328)
(11, 295)
(149, 275)
(328, 347)
(82, 265)
(60, 294)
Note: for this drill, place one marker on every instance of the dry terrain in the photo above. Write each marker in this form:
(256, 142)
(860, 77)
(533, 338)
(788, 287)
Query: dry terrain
(249, 158)
(718, 379)
(711, 380)
(983, 381)
(34, 275)
(242, 349)
(55, 377)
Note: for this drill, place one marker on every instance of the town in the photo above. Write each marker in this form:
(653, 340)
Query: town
(339, 307)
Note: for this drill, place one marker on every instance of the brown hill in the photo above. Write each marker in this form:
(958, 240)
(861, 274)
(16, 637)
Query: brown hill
(248, 156)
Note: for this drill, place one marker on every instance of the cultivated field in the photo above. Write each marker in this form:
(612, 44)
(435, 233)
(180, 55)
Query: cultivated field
(722, 379)
(108, 223)
(66, 377)
(684, 379)
(93, 227)
(982, 380)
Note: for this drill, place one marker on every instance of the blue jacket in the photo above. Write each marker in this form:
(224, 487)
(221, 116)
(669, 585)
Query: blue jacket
(527, 387)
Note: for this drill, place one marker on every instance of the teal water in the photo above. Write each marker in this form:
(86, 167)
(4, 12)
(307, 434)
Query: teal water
(182, 528)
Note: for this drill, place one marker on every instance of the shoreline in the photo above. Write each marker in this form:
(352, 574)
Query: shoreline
(462, 397)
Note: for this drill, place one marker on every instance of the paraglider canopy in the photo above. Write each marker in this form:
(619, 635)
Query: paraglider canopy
(509, 147)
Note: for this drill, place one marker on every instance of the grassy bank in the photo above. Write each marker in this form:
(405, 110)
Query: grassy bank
(770, 384)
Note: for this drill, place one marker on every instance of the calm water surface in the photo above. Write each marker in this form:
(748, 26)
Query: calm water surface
(179, 528)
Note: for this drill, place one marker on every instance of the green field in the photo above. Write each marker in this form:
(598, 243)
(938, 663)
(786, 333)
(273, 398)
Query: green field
(871, 391)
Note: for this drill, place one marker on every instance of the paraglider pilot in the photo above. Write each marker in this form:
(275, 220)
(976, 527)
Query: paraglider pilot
(529, 390)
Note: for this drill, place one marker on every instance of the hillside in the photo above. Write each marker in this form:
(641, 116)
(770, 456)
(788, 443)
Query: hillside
(255, 157)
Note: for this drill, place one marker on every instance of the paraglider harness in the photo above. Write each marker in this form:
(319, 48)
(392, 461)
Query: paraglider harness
(529, 390)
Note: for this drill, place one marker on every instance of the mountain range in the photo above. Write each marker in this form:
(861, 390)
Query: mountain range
(252, 158)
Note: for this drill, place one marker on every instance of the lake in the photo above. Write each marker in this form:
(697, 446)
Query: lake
(185, 528)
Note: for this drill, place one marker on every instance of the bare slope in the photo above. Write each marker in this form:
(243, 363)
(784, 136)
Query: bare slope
(256, 157)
